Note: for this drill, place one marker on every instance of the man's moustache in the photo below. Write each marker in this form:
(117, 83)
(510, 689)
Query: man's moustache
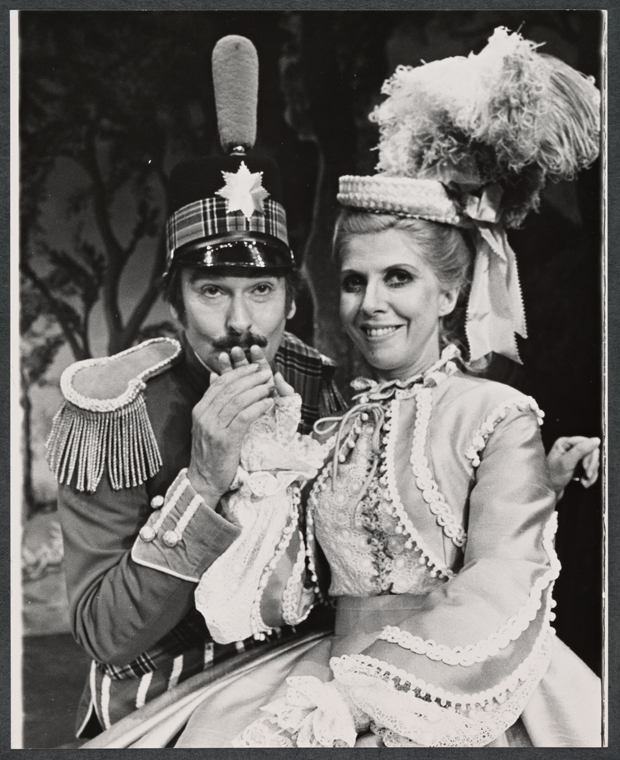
(243, 340)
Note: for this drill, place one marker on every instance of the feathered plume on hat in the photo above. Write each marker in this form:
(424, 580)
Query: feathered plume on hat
(471, 141)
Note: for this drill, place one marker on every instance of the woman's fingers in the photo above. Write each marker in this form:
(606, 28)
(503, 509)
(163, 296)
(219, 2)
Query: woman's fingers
(591, 464)
(257, 356)
(565, 443)
(282, 387)
(565, 457)
(238, 357)
(224, 362)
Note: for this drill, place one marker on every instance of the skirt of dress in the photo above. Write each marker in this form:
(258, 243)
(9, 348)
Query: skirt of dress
(564, 711)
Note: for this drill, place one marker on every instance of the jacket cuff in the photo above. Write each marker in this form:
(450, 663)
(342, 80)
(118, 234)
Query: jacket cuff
(183, 536)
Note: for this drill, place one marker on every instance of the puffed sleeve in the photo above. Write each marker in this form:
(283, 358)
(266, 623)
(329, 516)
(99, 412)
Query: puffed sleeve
(268, 577)
(459, 671)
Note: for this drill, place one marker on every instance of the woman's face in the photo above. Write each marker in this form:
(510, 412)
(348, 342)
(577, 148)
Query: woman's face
(391, 302)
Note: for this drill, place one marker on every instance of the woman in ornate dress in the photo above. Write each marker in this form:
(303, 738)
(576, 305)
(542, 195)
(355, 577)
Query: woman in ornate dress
(434, 508)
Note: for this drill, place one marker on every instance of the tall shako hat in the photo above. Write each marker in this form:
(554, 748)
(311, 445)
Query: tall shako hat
(227, 210)
(470, 142)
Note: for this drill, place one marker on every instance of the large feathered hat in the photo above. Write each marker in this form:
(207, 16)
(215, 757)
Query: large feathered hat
(470, 142)
(227, 210)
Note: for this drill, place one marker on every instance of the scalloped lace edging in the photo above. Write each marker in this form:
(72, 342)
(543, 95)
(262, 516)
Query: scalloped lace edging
(510, 631)
(401, 681)
(481, 436)
(388, 479)
(424, 479)
(313, 713)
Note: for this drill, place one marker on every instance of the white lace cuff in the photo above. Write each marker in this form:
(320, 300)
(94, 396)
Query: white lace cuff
(312, 714)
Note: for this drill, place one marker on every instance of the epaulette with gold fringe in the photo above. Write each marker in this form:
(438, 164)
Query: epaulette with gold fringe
(104, 423)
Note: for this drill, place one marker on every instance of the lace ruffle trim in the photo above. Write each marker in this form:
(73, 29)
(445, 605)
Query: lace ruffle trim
(312, 714)
(497, 415)
(388, 480)
(293, 591)
(259, 627)
(503, 636)
(424, 479)
(401, 681)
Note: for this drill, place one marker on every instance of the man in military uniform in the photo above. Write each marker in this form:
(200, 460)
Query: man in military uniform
(129, 447)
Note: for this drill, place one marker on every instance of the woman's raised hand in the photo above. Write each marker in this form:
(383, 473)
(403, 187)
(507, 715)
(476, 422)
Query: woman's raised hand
(565, 456)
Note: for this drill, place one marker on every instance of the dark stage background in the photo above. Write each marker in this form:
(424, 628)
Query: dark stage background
(110, 101)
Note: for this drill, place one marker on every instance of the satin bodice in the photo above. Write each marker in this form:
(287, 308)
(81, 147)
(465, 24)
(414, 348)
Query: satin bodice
(361, 537)
(392, 507)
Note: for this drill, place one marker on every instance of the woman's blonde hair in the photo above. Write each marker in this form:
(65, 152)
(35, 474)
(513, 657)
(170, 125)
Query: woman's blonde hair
(445, 249)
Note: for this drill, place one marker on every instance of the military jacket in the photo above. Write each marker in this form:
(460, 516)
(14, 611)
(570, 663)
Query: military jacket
(120, 441)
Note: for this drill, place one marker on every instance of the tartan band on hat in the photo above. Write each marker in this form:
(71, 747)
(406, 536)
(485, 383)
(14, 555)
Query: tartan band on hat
(205, 232)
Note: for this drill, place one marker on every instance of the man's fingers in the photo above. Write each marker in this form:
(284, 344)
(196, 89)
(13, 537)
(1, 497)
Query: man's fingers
(257, 356)
(223, 386)
(240, 403)
(242, 421)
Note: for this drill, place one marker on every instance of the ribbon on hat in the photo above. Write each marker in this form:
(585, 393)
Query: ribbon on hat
(495, 309)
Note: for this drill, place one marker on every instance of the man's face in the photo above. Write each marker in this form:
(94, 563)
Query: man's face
(224, 311)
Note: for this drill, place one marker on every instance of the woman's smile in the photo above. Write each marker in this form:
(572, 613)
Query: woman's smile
(391, 302)
(378, 333)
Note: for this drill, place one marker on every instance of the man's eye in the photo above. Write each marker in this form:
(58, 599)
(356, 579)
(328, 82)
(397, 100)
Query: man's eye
(398, 277)
(352, 283)
(263, 289)
(211, 291)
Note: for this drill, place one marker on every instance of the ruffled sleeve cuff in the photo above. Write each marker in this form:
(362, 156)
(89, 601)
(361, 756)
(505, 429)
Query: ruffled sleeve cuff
(183, 536)
(407, 711)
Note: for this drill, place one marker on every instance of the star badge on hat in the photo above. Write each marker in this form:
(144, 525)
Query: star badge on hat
(243, 191)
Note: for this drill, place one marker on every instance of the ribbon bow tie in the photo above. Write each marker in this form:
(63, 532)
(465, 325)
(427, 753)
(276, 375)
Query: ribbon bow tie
(371, 390)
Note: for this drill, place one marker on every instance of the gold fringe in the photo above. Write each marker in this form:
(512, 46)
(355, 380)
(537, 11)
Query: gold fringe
(81, 443)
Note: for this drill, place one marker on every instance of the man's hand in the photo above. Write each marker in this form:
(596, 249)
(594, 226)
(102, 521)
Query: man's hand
(234, 400)
(221, 419)
(238, 358)
(565, 456)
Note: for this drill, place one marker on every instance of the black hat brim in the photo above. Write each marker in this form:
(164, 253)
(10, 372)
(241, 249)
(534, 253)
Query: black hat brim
(251, 251)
